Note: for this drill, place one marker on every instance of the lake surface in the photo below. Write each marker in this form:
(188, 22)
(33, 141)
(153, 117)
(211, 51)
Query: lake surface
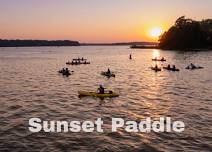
(31, 87)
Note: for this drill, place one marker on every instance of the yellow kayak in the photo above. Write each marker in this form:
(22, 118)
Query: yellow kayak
(95, 94)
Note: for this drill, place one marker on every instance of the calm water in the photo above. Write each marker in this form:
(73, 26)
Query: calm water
(31, 87)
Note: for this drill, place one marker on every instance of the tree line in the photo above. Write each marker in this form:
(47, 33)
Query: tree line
(187, 33)
(29, 43)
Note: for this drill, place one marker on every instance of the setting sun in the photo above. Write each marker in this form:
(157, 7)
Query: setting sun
(156, 32)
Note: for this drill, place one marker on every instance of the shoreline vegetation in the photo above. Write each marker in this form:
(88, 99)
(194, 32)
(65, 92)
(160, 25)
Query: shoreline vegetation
(185, 34)
(37, 43)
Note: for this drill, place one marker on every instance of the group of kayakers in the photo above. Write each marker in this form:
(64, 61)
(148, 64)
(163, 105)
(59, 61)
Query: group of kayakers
(173, 67)
(65, 71)
(101, 90)
(78, 61)
(156, 59)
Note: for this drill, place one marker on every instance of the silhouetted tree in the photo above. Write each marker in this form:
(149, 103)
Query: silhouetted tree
(207, 28)
(187, 33)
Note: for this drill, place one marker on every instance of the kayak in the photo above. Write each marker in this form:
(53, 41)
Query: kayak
(108, 74)
(85, 63)
(171, 69)
(73, 63)
(79, 59)
(156, 69)
(162, 60)
(65, 74)
(193, 68)
(95, 94)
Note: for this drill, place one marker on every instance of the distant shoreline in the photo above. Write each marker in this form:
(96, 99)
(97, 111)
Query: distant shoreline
(37, 43)
(58, 43)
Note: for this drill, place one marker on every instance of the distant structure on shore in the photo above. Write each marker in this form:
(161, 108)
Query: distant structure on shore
(144, 46)
(31, 43)
(122, 43)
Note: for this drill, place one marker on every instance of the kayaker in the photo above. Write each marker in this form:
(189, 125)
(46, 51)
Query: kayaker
(192, 66)
(66, 71)
(174, 67)
(108, 71)
(169, 67)
(101, 89)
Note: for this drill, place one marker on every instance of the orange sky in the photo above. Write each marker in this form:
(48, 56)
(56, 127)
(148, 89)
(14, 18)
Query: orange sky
(94, 20)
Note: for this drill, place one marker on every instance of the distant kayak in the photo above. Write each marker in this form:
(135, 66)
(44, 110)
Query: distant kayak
(108, 74)
(77, 63)
(95, 94)
(64, 73)
(171, 69)
(193, 68)
(161, 60)
(156, 69)
(79, 59)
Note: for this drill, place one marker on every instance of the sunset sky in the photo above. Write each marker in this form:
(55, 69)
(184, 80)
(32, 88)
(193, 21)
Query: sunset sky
(94, 20)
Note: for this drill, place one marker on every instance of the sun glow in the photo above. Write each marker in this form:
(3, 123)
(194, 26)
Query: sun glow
(156, 32)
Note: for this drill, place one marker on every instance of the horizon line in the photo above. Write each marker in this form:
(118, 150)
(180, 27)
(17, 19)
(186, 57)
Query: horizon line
(81, 42)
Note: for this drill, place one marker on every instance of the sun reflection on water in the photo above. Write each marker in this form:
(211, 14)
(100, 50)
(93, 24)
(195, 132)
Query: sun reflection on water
(155, 54)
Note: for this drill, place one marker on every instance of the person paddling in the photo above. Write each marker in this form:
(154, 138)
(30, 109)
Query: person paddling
(66, 71)
(169, 67)
(108, 71)
(192, 66)
(101, 89)
(174, 67)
